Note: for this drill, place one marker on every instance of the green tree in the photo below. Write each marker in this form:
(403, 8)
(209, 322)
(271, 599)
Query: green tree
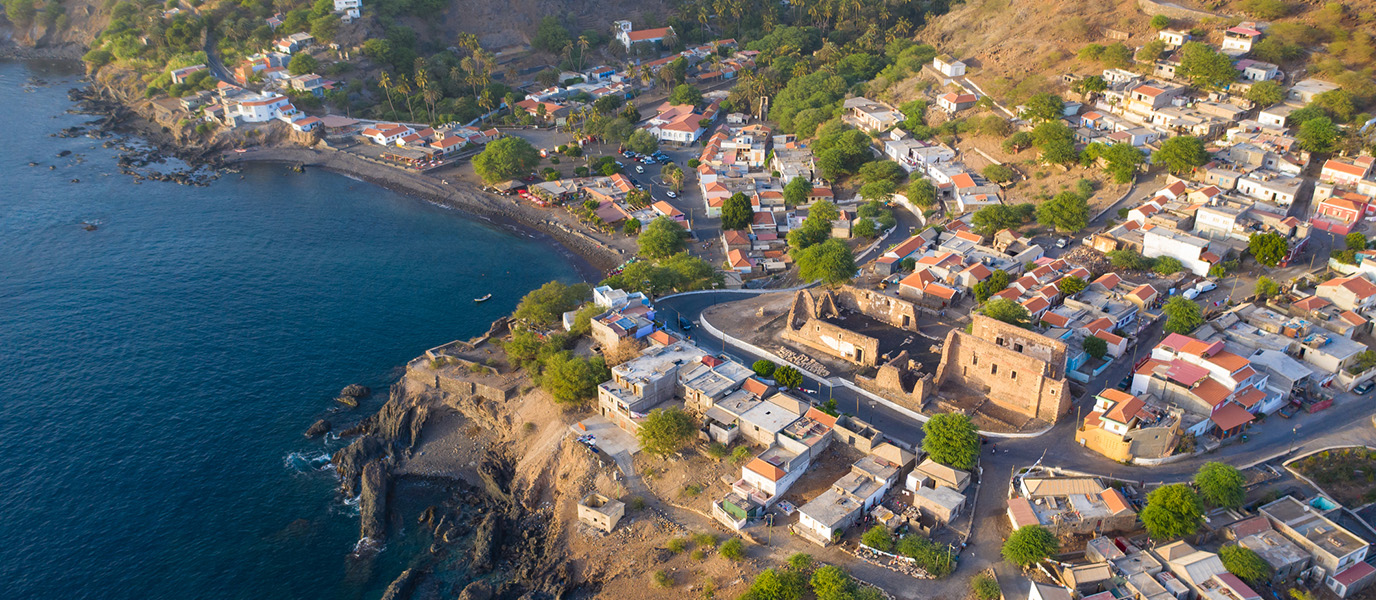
(1268, 248)
(1123, 160)
(1160, 22)
(864, 229)
(631, 226)
(1318, 135)
(1221, 485)
(1355, 241)
(1267, 287)
(550, 36)
(763, 368)
(665, 431)
(831, 582)
(642, 141)
(1173, 510)
(1043, 107)
(1055, 142)
(1017, 142)
(1168, 265)
(736, 212)
(1266, 93)
(921, 192)
(1182, 316)
(1067, 212)
(1095, 346)
(1245, 563)
(881, 190)
(1071, 285)
(831, 262)
(1337, 103)
(952, 440)
(788, 377)
(506, 158)
(1029, 545)
(775, 585)
(302, 63)
(797, 192)
(662, 238)
(573, 379)
(880, 170)
(686, 94)
(999, 173)
(1205, 67)
(546, 306)
(879, 538)
(1092, 84)
(1007, 311)
(1181, 154)
(991, 219)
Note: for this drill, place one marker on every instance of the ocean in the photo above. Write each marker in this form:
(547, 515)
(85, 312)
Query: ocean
(156, 373)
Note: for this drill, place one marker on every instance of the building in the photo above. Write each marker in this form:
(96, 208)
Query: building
(1191, 566)
(931, 474)
(681, 123)
(948, 66)
(824, 518)
(1019, 370)
(1287, 560)
(1355, 293)
(1238, 40)
(384, 134)
(180, 75)
(1070, 505)
(1123, 427)
(942, 504)
(645, 382)
(871, 115)
(629, 37)
(1191, 251)
(600, 511)
(1335, 550)
(953, 102)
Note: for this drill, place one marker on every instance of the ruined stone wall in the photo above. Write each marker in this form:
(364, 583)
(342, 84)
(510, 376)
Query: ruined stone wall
(886, 309)
(805, 326)
(1010, 370)
(1153, 442)
(900, 380)
(1021, 341)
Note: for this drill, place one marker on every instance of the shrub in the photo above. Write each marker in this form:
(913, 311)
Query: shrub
(740, 454)
(733, 549)
(663, 579)
(717, 451)
(705, 540)
(878, 538)
(697, 554)
(763, 368)
(986, 587)
(692, 490)
(676, 545)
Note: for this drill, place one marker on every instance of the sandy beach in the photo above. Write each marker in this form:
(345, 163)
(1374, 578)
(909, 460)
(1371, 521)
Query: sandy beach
(590, 257)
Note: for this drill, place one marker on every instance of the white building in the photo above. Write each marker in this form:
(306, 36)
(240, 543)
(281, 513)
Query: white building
(948, 66)
(262, 109)
(1191, 251)
(628, 37)
(350, 8)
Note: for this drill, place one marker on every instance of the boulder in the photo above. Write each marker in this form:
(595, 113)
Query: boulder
(372, 504)
(320, 428)
(478, 590)
(355, 390)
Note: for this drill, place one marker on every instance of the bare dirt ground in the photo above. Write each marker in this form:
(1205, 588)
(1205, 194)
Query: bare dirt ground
(1037, 181)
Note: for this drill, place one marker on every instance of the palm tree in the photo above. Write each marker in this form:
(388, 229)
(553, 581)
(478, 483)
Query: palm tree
(404, 87)
(583, 44)
(673, 175)
(431, 96)
(386, 83)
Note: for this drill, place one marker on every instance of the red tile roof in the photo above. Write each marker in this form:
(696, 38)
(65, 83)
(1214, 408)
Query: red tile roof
(1108, 336)
(765, 469)
(1353, 318)
(1114, 500)
(1249, 397)
(963, 180)
(1211, 392)
(1185, 373)
(1056, 319)
(1311, 303)
(1109, 280)
(1355, 573)
(1232, 362)
(1356, 284)
(1231, 416)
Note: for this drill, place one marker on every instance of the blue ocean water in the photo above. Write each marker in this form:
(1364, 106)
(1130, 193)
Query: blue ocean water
(156, 373)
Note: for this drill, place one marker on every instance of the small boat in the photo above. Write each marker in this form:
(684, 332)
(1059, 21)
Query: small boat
(483, 299)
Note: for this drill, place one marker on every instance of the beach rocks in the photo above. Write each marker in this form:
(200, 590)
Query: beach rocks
(372, 503)
(402, 586)
(356, 391)
(484, 541)
(318, 429)
(478, 590)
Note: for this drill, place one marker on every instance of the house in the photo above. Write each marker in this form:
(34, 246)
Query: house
(1354, 293)
(953, 102)
(1191, 251)
(1238, 40)
(1146, 98)
(1337, 552)
(1277, 115)
(628, 37)
(1191, 566)
(384, 134)
(948, 66)
(1339, 213)
(645, 382)
(871, 115)
(1306, 90)
(1342, 172)
(600, 511)
(304, 124)
(1255, 70)
(310, 82)
(681, 123)
(1271, 187)
(260, 108)
(1069, 505)
(932, 474)
(180, 75)
(1172, 37)
(736, 260)
(1123, 427)
(1286, 559)
(941, 503)
(350, 8)
(848, 498)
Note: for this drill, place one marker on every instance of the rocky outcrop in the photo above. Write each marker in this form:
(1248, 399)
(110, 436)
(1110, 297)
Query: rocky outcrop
(402, 587)
(318, 429)
(355, 390)
(484, 541)
(372, 503)
(478, 590)
(390, 433)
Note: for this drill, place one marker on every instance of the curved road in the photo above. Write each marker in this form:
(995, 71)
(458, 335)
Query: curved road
(1349, 422)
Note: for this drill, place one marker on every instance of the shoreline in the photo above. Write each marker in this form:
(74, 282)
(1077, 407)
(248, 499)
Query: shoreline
(589, 258)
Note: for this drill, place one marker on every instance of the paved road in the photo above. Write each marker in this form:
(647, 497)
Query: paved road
(1349, 422)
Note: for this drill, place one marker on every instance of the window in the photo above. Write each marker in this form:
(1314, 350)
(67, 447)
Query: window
(974, 359)
(993, 369)
(1012, 374)
(1017, 347)
(999, 341)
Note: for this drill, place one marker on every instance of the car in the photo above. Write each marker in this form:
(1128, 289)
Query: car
(1125, 384)
(1063, 242)
(639, 186)
(639, 169)
(671, 194)
(1206, 286)
(1191, 293)
(619, 164)
(685, 324)
(1363, 387)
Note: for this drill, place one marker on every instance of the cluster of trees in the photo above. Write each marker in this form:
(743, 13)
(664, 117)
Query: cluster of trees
(507, 158)
(1067, 211)
(665, 431)
(801, 575)
(952, 440)
(569, 378)
(840, 150)
(1121, 160)
(1129, 259)
(997, 217)
(1008, 311)
(123, 37)
(996, 282)
(670, 268)
(1355, 242)
(938, 561)
(872, 218)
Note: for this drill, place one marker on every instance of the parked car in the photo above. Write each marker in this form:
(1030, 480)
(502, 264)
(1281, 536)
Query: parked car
(639, 169)
(1063, 242)
(671, 194)
(1363, 387)
(1206, 286)
(1191, 293)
